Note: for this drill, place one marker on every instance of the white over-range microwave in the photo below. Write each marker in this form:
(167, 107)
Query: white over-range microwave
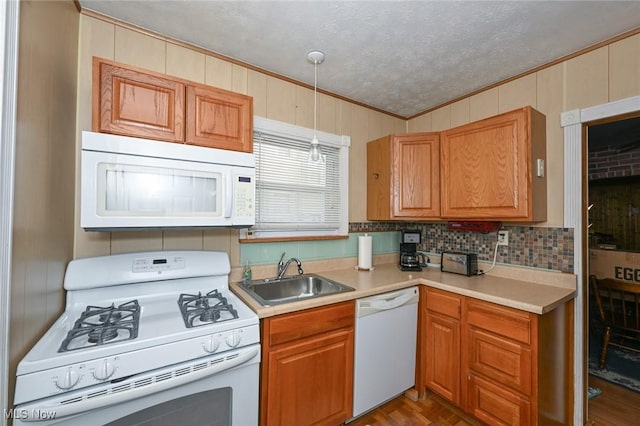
(131, 183)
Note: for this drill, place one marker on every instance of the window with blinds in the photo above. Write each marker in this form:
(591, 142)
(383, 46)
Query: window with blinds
(294, 196)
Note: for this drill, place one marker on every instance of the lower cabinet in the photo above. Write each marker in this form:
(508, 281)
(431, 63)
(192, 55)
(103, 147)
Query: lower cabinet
(498, 363)
(443, 343)
(501, 365)
(307, 362)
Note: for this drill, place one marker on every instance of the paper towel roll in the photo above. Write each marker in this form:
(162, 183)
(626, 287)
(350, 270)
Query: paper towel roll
(364, 251)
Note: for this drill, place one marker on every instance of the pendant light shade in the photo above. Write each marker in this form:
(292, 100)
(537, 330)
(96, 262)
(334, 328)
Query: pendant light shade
(315, 57)
(315, 154)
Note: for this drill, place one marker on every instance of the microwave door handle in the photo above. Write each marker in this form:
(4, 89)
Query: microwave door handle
(228, 195)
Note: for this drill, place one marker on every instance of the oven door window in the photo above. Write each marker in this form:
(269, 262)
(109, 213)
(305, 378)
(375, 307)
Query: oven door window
(135, 190)
(205, 408)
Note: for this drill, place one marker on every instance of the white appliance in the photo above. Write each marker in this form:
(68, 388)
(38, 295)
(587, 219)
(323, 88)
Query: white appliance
(155, 335)
(132, 183)
(385, 347)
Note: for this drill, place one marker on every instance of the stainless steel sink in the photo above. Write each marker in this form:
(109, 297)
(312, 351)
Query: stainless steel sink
(272, 291)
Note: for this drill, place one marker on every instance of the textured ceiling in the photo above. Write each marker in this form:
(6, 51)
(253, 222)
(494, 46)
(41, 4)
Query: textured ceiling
(403, 57)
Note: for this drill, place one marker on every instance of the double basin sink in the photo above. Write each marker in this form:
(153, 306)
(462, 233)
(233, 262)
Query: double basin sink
(272, 291)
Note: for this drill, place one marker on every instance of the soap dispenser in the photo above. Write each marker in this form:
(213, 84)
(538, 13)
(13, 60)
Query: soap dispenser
(246, 273)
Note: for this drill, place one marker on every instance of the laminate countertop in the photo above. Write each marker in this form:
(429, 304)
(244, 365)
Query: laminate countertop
(534, 291)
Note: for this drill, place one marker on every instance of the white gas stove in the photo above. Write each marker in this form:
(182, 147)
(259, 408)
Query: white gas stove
(135, 327)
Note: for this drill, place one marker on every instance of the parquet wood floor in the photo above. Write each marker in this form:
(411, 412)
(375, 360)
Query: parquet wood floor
(616, 406)
(402, 411)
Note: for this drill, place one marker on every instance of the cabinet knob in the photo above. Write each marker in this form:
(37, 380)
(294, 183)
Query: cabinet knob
(376, 175)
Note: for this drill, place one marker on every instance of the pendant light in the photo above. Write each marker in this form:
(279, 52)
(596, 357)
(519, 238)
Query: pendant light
(315, 57)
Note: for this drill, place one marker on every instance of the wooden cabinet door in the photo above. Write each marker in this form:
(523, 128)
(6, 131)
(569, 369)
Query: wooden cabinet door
(416, 175)
(488, 168)
(496, 406)
(219, 119)
(379, 179)
(443, 356)
(403, 177)
(311, 381)
(442, 328)
(130, 102)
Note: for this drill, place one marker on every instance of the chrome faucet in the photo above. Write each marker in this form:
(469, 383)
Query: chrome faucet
(282, 266)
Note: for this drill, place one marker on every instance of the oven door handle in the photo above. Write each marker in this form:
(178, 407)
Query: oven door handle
(81, 403)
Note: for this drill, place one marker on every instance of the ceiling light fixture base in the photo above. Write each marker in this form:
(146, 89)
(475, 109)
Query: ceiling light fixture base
(315, 57)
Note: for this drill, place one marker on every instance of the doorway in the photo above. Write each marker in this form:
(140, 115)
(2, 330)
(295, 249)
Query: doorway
(575, 125)
(613, 249)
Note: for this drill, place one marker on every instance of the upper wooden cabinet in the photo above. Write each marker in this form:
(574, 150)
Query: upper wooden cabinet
(135, 102)
(219, 119)
(403, 177)
(488, 168)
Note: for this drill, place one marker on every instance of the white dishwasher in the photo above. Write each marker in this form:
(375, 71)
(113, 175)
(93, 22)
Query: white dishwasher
(385, 347)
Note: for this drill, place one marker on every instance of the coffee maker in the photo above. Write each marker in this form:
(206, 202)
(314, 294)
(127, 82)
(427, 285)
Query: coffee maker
(410, 259)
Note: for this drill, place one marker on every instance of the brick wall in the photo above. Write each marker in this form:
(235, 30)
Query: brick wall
(608, 163)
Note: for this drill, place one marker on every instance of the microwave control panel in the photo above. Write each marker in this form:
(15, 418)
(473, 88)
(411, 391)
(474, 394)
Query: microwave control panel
(244, 195)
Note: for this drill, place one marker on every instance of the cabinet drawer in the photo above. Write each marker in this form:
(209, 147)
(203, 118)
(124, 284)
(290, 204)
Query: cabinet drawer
(502, 360)
(495, 405)
(297, 325)
(444, 303)
(500, 320)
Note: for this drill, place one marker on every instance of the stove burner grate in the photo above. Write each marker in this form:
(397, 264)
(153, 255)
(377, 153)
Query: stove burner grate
(205, 309)
(100, 325)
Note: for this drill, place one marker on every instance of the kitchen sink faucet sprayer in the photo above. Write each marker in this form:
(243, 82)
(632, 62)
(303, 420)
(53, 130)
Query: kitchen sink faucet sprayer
(282, 266)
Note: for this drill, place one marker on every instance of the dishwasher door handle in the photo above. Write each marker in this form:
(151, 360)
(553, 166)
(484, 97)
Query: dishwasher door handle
(384, 305)
(371, 305)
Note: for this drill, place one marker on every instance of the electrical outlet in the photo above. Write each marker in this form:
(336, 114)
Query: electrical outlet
(503, 238)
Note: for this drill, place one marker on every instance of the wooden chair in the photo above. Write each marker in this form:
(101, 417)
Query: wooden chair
(618, 304)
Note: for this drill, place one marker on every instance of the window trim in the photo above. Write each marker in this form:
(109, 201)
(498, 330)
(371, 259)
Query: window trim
(343, 142)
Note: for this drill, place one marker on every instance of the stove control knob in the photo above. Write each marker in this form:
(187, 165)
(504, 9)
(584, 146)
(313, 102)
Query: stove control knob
(104, 370)
(68, 379)
(211, 345)
(233, 339)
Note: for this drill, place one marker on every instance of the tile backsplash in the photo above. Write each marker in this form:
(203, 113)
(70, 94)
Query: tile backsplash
(535, 247)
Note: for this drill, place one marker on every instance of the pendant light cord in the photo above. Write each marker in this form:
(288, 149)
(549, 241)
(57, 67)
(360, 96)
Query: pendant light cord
(315, 96)
(315, 57)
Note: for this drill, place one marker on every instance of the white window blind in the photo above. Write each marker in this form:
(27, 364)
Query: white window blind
(296, 197)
